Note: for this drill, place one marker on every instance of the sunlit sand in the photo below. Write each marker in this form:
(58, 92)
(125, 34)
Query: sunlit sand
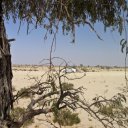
(97, 82)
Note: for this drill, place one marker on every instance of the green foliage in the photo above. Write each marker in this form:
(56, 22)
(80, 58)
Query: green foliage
(113, 109)
(24, 92)
(84, 69)
(74, 66)
(69, 12)
(67, 86)
(81, 65)
(28, 123)
(123, 44)
(65, 117)
(13, 89)
(106, 110)
(17, 112)
(90, 127)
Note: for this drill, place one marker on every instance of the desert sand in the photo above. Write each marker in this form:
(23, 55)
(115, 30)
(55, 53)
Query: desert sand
(102, 82)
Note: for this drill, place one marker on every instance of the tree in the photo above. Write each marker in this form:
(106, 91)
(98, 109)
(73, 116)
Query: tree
(51, 14)
(6, 96)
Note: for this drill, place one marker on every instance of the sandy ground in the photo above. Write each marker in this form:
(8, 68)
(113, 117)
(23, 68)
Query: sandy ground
(105, 83)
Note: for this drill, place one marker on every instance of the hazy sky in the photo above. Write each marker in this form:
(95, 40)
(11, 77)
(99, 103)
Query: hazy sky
(88, 49)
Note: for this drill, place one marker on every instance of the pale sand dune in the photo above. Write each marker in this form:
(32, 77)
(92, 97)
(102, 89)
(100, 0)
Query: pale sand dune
(104, 83)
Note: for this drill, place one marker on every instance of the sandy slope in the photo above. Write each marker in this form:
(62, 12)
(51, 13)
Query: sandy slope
(104, 83)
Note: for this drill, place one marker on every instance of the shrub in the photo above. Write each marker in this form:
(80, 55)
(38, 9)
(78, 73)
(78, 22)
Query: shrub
(67, 86)
(24, 92)
(66, 117)
(16, 114)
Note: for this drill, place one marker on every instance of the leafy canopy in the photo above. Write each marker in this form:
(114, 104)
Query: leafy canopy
(48, 13)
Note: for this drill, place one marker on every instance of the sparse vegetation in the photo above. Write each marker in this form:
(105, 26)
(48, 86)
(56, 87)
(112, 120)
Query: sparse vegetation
(67, 86)
(17, 112)
(66, 117)
(84, 69)
(24, 93)
(90, 127)
(13, 89)
(51, 15)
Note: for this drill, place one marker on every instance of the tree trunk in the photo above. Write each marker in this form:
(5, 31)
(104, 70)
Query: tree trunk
(6, 96)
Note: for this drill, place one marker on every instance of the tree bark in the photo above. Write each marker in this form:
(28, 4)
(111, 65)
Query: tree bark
(6, 96)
